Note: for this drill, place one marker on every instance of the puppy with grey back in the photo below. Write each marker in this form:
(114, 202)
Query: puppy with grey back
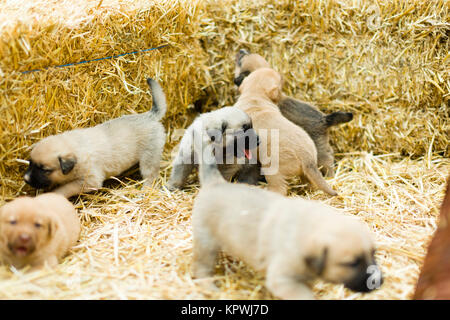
(80, 160)
(37, 231)
(305, 115)
(290, 240)
(230, 130)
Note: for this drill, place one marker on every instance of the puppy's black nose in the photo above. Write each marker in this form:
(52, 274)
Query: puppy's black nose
(367, 280)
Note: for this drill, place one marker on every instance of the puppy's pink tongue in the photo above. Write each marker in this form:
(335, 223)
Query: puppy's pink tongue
(248, 154)
(21, 251)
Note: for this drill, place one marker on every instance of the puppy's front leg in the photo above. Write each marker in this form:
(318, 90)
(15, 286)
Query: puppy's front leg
(78, 186)
(205, 254)
(182, 167)
(70, 189)
(249, 173)
(287, 286)
(180, 172)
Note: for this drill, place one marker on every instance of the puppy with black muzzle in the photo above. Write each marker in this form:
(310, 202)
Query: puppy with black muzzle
(290, 240)
(305, 115)
(37, 231)
(230, 130)
(80, 160)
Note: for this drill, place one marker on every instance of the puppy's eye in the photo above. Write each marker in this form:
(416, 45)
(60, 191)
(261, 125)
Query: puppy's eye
(246, 126)
(355, 263)
(13, 222)
(37, 225)
(48, 170)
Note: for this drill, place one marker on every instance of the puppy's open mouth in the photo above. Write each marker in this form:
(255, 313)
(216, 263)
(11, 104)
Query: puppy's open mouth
(245, 143)
(21, 250)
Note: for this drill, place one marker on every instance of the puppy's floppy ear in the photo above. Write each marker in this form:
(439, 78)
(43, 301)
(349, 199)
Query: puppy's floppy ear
(240, 55)
(1, 218)
(238, 80)
(52, 226)
(316, 263)
(274, 93)
(67, 163)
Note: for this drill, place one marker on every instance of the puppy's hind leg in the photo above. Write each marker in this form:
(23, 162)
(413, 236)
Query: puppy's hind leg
(313, 174)
(149, 165)
(326, 161)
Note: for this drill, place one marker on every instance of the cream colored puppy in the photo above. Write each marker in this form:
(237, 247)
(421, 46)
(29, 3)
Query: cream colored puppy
(303, 114)
(36, 231)
(260, 92)
(291, 240)
(80, 160)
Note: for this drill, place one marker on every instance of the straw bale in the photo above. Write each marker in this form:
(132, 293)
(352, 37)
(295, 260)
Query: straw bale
(387, 62)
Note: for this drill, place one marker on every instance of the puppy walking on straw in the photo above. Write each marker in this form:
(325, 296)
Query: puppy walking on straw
(80, 160)
(291, 240)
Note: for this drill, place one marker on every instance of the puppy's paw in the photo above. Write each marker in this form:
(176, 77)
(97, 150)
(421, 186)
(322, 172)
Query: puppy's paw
(333, 193)
(207, 284)
(172, 186)
(149, 182)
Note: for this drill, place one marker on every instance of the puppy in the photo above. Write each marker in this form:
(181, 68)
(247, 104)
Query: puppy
(259, 94)
(231, 132)
(35, 231)
(291, 240)
(307, 116)
(80, 160)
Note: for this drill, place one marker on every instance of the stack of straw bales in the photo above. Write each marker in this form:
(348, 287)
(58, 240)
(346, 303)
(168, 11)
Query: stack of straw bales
(387, 62)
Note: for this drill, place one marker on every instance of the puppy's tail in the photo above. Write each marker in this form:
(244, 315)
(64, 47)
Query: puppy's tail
(159, 107)
(339, 117)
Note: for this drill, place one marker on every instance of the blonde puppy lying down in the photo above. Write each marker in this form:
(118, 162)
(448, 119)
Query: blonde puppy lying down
(291, 240)
(36, 231)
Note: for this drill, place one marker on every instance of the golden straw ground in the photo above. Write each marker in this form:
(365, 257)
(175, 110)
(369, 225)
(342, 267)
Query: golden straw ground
(388, 63)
